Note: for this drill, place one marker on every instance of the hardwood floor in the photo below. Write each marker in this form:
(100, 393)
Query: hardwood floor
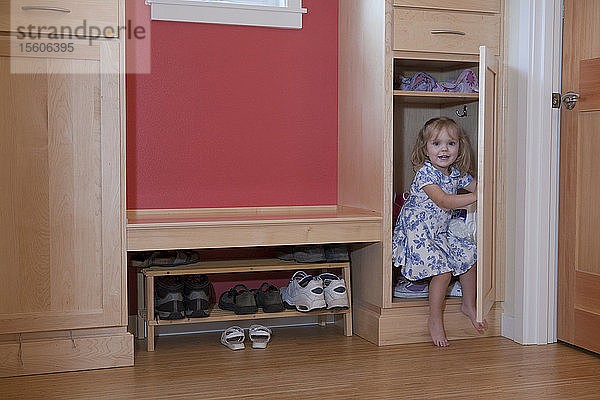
(320, 363)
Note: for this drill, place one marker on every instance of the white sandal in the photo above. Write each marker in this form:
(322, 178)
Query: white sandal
(260, 336)
(233, 337)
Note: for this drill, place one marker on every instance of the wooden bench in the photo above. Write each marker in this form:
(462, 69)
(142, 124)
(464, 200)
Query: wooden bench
(206, 228)
(214, 228)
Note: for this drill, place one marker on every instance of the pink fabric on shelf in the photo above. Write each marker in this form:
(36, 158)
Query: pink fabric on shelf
(465, 83)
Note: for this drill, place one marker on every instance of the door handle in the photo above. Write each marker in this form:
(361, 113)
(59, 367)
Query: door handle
(570, 99)
(446, 32)
(45, 8)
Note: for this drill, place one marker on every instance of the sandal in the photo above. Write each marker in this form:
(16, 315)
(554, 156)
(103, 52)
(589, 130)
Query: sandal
(227, 299)
(233, 337)
(260, 336)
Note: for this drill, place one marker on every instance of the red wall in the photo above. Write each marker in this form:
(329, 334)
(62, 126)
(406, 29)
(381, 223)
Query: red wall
(233, 115)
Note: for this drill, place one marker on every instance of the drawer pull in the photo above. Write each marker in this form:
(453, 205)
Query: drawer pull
(445, 32)
(45, 8)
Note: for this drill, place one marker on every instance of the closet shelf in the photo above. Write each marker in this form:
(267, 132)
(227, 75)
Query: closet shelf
(435, 97)
(203, 228)
(399, 302)
(233, 266)
(217, 315)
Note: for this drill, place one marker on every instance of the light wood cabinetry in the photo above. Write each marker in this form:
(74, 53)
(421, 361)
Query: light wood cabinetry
(62, 276)
(377, 129)
(82, 18)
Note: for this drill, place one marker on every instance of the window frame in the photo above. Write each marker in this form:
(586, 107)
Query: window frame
(228, 13)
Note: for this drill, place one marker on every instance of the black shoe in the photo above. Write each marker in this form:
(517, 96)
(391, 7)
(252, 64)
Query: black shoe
(238, 299)
(197, 293)
(168, 297)
(268, 298)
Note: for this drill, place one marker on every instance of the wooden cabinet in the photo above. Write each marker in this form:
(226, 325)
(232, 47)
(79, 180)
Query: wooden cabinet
(445, 31)
(378, 127)
(62, 276)
(81, 18)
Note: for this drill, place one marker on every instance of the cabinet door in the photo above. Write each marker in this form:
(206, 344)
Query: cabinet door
(60, 203)
(486, 143)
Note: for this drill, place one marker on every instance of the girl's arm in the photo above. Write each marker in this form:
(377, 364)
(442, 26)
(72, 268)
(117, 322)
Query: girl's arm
(449, 201)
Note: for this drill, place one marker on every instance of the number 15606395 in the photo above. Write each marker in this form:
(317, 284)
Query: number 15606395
(52, 47)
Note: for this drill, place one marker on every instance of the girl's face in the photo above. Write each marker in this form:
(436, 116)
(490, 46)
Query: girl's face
(442, 150)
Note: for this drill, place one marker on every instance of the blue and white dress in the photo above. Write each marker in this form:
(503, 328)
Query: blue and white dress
(421, 243)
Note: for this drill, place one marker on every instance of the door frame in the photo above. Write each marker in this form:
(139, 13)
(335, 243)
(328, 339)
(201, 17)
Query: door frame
(536, 65)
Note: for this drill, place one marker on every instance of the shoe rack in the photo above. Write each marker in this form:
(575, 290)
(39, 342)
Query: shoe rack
(343, 318)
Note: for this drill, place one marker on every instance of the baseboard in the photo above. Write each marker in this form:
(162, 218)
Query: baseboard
(403, 325)
(63, 351)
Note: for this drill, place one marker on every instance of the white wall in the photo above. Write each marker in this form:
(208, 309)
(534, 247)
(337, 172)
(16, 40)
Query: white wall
(531, 74)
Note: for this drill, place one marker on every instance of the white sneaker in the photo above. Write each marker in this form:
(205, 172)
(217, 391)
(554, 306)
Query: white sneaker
(336, 295)
(304, 292)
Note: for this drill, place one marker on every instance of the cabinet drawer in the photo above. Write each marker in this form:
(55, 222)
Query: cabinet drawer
(56, 16)
(490, 6)
(415, 30)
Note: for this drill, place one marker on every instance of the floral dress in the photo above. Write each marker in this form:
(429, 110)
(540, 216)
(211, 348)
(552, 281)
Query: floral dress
(421, 243)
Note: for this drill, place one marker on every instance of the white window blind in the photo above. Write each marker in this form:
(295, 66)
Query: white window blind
(273, 13)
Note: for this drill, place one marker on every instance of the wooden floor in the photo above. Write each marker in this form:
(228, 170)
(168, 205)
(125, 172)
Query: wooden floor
(319, 363)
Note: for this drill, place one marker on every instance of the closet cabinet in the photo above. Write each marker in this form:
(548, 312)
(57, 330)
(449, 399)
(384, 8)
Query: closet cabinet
(378, 125)
(62, 276)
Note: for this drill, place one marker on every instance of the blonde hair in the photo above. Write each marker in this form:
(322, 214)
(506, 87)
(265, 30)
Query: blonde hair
(431, 130)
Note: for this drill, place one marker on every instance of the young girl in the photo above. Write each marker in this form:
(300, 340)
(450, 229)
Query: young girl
(422, 245)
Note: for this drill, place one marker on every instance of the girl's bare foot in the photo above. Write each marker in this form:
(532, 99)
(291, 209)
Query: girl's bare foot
(436, 330)
(471, 312)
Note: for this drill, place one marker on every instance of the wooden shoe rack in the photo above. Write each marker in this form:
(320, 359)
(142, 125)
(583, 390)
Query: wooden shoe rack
(343, 317)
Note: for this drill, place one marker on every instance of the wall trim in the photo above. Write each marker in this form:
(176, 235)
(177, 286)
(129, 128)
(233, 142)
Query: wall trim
(539, 59)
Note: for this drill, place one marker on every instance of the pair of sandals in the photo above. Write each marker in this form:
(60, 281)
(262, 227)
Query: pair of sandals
(233, 337)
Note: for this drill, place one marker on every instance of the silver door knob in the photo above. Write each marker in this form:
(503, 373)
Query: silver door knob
(570, 99)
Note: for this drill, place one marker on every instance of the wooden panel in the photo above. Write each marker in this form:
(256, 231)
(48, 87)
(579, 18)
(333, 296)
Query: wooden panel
(365, 84)
(486, 158)
(24, 215)
(413, 31)
(242, 234)
(233, 266)
(579, 143)
(63, 213)
(428, 56)
(589, 85)
(587, 288)
(244, 227)
(409, 324)
(588, 193)
(217, 315)
(491, 6)
(64, 16)
(60, 354)
(435, 97)
(587, 326)
(75, 185)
